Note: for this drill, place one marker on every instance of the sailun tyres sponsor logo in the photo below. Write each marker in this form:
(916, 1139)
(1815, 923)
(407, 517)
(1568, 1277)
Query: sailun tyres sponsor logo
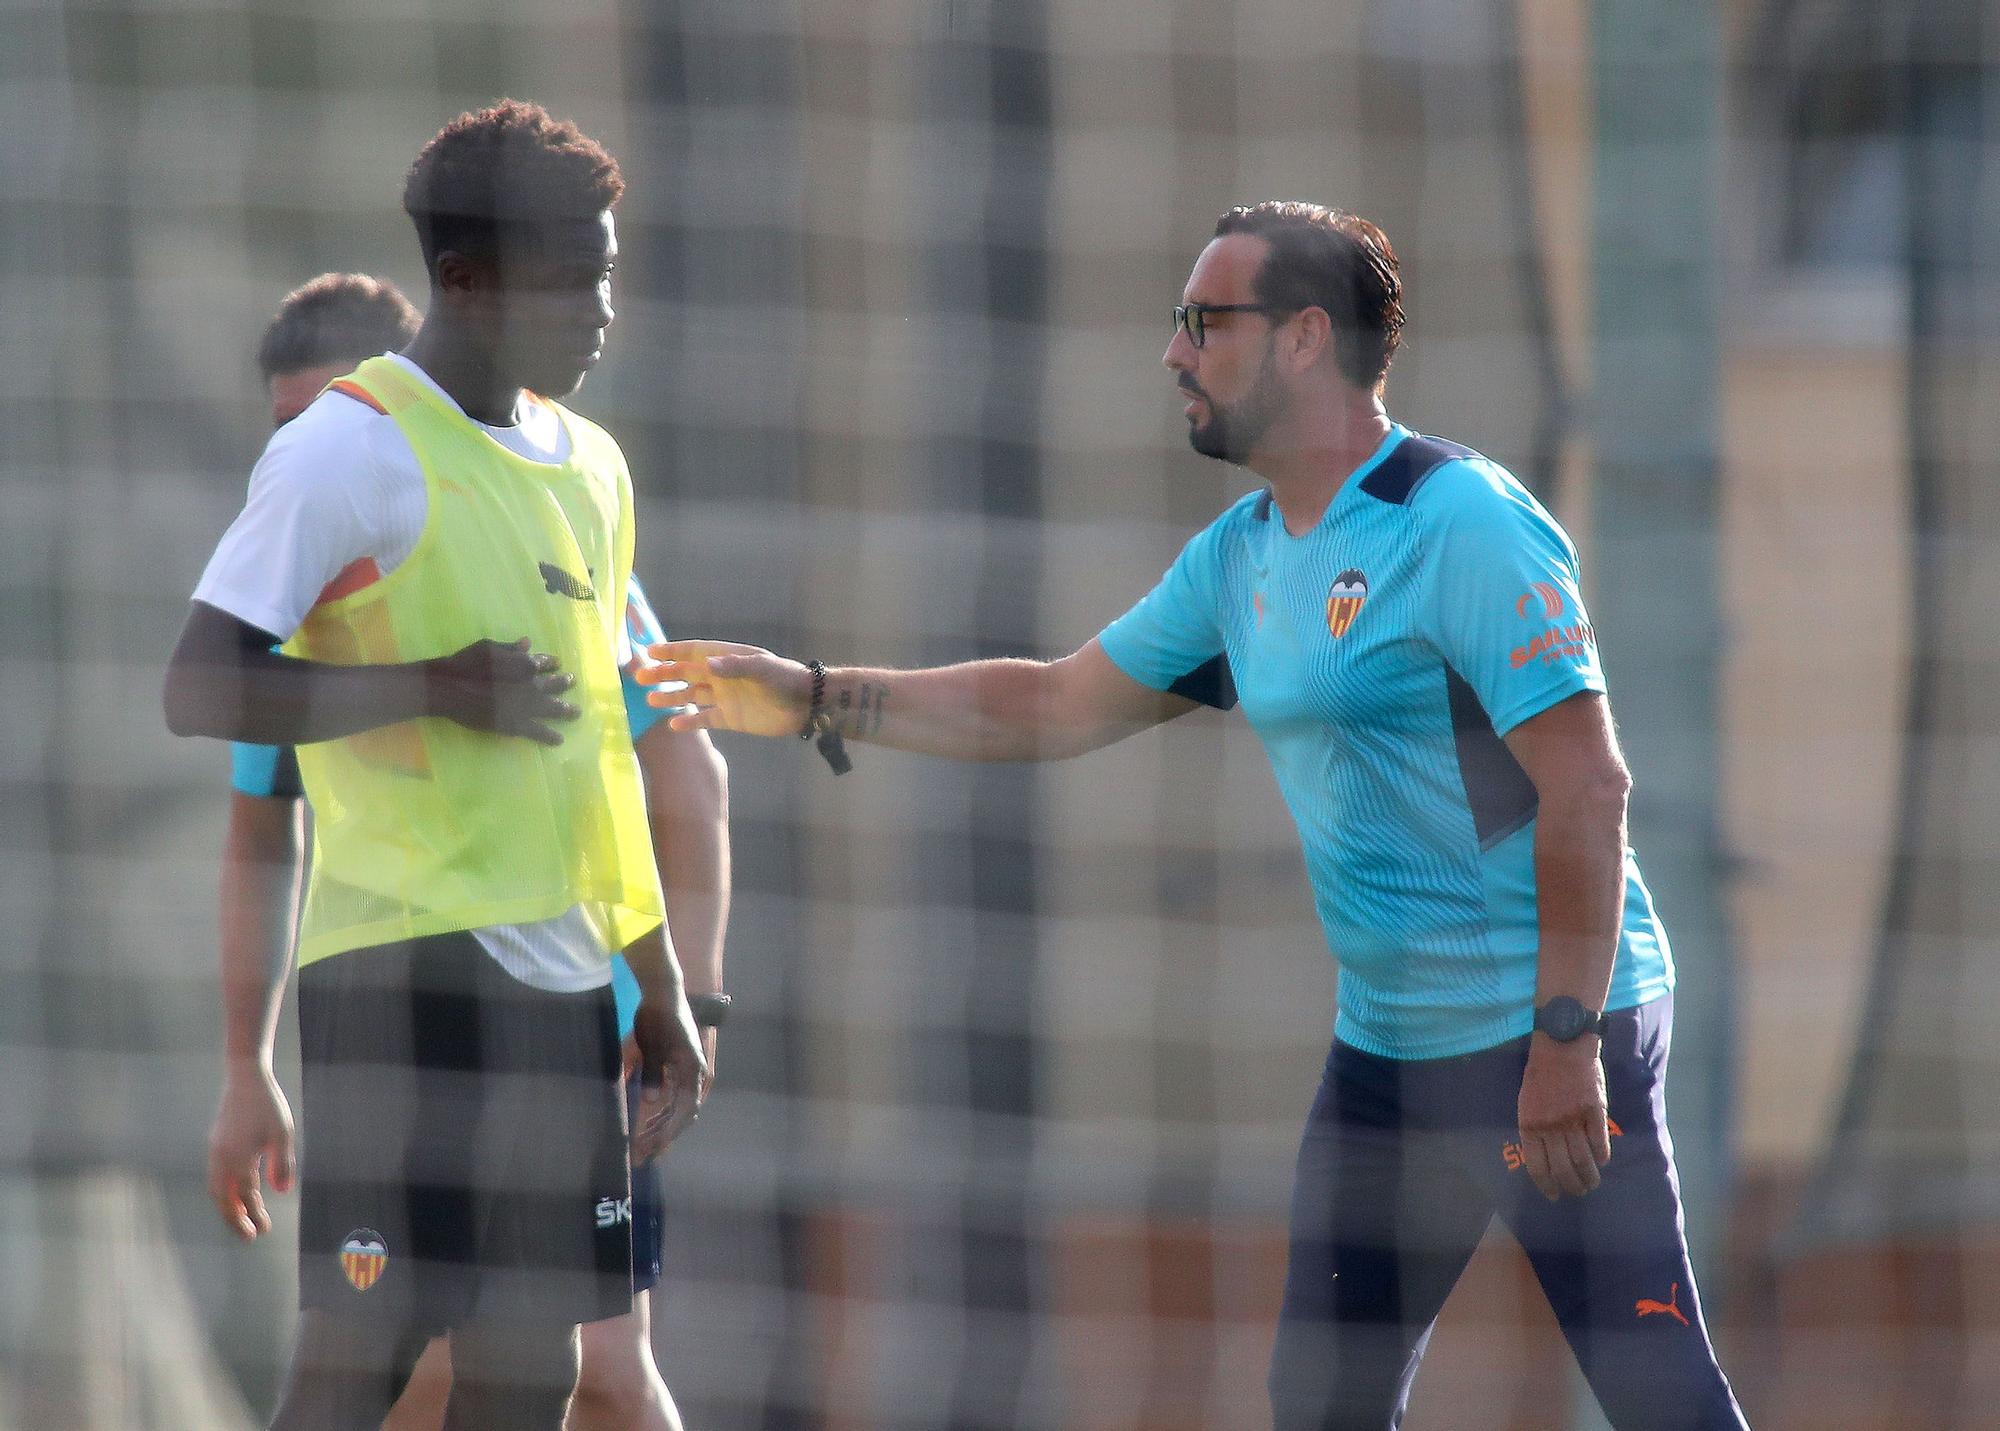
(363, 1257)
(1543, 596)
(1561, 640)
(558, 582)
(1558, 643)
(1344, 600)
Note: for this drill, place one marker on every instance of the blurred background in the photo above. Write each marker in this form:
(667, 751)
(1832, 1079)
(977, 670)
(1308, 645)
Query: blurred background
(1011, 1089)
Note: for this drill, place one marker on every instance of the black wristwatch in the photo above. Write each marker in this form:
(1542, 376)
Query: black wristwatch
(709, 1009)
(1565, 1020)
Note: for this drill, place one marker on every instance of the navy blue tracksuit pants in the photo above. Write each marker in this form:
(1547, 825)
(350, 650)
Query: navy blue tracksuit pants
(1404, 1163)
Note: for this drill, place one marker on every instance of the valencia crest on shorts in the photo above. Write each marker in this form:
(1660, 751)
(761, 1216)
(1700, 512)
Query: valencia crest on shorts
(1344, 600)
(363, 1256)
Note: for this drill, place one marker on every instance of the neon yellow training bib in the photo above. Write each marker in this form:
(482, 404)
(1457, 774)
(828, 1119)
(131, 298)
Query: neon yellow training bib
(425, 827)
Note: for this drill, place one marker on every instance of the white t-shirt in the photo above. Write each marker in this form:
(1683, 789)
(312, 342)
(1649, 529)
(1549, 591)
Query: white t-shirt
(339, 496)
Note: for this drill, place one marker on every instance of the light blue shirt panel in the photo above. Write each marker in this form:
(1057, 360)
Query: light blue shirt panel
(625, 989)
(643, 628)
(253, 769)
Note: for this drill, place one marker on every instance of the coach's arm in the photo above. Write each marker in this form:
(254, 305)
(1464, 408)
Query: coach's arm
(1003, 709)
(1570, 752)
(225, 681)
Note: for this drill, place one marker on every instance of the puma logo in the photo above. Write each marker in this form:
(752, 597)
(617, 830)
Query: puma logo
(560, 583)
(1647, 1307)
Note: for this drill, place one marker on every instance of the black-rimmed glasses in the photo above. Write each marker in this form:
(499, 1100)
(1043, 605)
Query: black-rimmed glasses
(1192, 318)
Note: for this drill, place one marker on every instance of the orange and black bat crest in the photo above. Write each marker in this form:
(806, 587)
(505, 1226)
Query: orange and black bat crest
(1344, 601)
(363, 1257)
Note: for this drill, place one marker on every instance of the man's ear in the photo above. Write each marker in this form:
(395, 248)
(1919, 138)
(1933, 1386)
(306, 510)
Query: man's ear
(1311, 339)
(461, 274)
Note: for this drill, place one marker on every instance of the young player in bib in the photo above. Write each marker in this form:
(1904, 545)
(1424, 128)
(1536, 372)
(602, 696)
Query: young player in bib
(442, 553)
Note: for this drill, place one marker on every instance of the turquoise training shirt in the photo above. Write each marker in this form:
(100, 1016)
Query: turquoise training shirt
(1380, 658)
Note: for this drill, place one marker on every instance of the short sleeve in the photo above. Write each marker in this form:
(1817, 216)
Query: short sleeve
(1172, 639)
(625, 994)
(642, 628)
(308, 516)
(253, 769)
(1504, 608)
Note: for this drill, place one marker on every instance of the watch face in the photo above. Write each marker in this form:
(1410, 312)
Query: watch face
(1562, 1018)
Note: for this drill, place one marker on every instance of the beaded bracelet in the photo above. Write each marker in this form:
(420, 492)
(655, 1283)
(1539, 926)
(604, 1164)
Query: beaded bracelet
(823, 723)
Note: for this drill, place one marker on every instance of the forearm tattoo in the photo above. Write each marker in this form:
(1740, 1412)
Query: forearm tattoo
(868, 718)
(857, 711)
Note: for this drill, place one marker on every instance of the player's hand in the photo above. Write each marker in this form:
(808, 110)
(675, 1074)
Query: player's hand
(1565, 1132)
(672, 1071)
(707, 1065)
(500, 687)
(719, 685)
(250, 1140)
(634, 1064)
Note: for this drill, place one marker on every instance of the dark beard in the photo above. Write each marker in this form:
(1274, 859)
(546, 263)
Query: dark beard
(1231, 433)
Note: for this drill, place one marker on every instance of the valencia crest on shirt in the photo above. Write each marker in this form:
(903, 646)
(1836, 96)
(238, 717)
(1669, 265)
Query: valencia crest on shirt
(1344, 600)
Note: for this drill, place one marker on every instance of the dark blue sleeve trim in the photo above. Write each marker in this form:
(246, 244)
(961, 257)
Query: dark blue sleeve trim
(1497, 790)
(1211, 683)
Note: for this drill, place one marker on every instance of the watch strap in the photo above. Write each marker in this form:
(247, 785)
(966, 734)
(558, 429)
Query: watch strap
(710, 1010)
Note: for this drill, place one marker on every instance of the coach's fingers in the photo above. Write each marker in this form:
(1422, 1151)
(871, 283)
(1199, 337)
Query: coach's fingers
(1581, 1166)
(1556, 1157)
(1599, 1131)
(686, 717)
(673, 652)
(1535, 1156)
(682, 693)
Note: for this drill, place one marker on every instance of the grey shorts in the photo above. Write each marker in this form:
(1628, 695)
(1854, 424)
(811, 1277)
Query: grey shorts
(459, 1133)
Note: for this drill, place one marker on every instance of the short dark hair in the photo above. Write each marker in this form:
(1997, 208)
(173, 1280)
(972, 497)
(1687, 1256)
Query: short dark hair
(335, 318)
(508, 166)
(1330, 259)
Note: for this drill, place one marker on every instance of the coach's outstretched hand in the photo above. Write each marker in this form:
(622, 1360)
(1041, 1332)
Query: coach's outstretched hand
(720, 685)
(250, 1140)
(501, 687)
